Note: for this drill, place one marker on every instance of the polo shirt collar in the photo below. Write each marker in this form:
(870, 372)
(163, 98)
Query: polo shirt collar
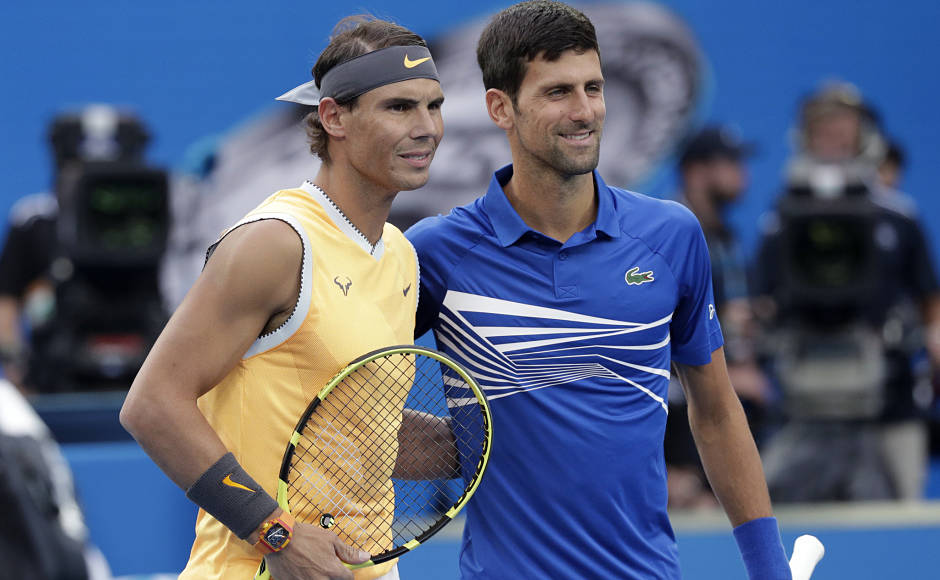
(607, 220)
(509, 227)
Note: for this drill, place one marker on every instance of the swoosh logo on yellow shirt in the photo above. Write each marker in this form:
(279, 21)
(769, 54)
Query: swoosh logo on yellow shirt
(413, 63)
(228, 481)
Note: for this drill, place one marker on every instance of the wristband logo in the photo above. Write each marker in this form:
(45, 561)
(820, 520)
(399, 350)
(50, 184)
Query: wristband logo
(228, 481)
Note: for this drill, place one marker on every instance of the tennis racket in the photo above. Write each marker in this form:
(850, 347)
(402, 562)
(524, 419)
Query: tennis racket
(807, 552)
(388, 452)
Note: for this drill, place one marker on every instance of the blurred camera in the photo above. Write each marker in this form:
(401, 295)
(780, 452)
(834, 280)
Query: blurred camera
(829, 263)
(111, 233)
(114, 214)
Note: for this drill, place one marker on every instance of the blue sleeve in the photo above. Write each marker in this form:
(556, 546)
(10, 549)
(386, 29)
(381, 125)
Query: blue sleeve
(431, 286)
(695, 332)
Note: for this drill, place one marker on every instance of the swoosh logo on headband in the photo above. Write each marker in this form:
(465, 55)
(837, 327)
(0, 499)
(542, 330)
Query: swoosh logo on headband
(413, 63)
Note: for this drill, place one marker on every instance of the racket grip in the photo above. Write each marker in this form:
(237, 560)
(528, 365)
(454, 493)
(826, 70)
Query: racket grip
(807, 552)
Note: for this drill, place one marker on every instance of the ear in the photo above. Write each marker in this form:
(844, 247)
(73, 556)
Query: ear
(332, 117)
(500, 108)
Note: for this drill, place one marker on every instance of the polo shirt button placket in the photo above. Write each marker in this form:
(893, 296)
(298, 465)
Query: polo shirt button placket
(566, 285)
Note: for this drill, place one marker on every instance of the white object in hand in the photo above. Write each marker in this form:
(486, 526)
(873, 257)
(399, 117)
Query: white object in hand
(807, 552)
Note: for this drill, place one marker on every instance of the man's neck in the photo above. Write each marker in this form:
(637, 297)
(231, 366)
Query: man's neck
(365, 204)
(556, 206)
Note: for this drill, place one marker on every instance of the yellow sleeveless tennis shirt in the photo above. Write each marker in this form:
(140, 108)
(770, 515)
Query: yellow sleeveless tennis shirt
(353, 299)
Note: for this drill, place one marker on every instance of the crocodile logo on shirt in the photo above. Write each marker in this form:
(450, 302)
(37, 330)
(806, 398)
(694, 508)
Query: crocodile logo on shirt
(344, 283)
(634, 277)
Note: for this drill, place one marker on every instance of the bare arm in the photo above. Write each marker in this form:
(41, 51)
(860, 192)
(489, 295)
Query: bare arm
(252, 277)
(724, 441)
(426, 447)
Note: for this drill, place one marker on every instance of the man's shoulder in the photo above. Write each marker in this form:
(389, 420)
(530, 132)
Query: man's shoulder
(395, 240)
(265, 235)
(896, 203)
(259, 236)
(642, 215)
(463, 226)
(291, 204)
(36, 206)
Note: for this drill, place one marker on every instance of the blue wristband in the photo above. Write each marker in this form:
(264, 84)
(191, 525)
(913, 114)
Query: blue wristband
(762, 550)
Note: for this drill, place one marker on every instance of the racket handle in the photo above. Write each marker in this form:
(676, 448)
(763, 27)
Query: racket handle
(807, 552)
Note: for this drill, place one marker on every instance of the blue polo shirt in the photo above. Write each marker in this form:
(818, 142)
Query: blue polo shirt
(572, 343)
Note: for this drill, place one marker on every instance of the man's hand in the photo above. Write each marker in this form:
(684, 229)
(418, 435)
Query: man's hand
(314, 554)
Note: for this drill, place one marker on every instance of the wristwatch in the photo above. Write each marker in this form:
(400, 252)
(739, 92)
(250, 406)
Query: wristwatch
(276, 533)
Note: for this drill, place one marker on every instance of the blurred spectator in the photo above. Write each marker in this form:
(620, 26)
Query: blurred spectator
(44, 535)
(712, 176)
(78, 268)
(848, 286)
(892, 166)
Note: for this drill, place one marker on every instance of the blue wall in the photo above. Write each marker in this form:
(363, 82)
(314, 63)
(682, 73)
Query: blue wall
(144, 525)
(195, 68)
(859, 554)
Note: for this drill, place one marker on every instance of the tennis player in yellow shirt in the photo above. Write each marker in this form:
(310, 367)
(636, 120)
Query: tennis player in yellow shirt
(306, 282)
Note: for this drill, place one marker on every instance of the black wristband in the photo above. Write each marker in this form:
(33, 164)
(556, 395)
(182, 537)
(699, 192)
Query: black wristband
(230, 495)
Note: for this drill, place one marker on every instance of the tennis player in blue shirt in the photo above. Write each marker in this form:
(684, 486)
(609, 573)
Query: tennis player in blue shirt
(569, 299)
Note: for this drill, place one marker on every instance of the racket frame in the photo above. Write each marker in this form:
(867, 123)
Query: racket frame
(448, 516)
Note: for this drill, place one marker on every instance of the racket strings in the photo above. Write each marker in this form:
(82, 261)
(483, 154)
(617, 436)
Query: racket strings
(344, 459)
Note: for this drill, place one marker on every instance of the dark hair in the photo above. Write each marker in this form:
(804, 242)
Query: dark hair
(526, 31)
(894, 153)
(352, 36)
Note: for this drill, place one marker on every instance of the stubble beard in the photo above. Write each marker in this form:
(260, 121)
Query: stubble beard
(556, 158)
(570, 166)
(394, 176)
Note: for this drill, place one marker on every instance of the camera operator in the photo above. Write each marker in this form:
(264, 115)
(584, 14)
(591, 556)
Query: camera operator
(78, 269)
(850, 296)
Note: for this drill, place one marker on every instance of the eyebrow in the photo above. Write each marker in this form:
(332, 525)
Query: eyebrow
(392, 101)
(549, 87)
(399, 101)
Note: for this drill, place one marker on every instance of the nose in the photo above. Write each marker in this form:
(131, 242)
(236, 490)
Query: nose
(428, 124)
(581, 107)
